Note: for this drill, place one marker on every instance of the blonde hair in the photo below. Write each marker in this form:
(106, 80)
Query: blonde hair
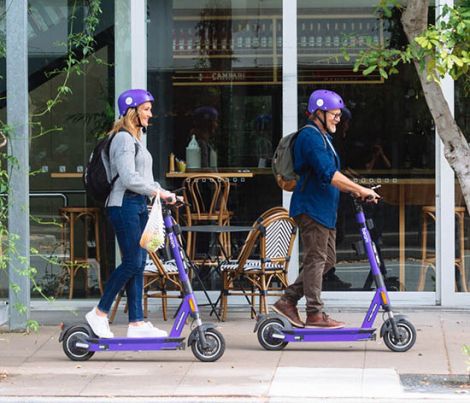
(127, 122)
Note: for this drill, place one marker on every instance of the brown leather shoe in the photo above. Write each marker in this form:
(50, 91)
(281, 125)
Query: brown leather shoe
(288, 310)
(321, 319)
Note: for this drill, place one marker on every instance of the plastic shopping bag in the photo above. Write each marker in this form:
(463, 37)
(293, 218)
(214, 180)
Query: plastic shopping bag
(153, 237)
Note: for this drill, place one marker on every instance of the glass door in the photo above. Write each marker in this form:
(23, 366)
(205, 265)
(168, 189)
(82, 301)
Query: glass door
(385, 138)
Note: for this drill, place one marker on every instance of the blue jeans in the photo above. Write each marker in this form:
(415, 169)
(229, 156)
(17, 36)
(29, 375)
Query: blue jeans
(128, 221)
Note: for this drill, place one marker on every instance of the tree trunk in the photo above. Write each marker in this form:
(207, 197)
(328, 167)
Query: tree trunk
(456, 148)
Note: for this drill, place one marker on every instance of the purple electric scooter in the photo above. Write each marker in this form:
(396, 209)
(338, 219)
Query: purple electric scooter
(207, 344)
(275, 331)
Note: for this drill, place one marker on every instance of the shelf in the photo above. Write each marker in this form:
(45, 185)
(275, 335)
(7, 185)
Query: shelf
(190, 173)
(248, 48)
(66, 175)
(227, 56)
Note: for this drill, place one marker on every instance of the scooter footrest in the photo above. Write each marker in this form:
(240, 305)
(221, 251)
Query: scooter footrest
(135, 339)
(367, 330)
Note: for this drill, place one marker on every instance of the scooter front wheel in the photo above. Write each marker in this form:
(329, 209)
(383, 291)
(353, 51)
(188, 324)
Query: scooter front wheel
(406, 336)
(267, 332)
(215, 346)
(73, 336)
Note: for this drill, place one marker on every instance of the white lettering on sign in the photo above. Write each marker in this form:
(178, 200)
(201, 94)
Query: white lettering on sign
(227, 76)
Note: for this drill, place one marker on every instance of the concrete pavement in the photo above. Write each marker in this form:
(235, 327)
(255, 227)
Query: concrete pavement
(34, 368)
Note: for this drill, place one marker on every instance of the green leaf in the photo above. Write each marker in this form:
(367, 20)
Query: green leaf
(383, 73)
(369, 70)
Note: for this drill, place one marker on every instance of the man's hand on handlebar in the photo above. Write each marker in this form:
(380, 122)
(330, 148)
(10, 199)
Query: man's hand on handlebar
(369, 195)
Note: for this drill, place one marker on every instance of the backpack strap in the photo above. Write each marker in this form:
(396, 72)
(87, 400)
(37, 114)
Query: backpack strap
(309, 172)
(108, 146)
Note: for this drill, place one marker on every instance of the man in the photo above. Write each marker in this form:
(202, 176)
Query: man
(314, 205)
(205, 125)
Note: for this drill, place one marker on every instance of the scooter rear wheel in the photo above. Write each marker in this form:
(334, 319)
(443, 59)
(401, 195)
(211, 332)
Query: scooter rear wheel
(215, 349)
(71, 350)
(266, 332)
(406, 336)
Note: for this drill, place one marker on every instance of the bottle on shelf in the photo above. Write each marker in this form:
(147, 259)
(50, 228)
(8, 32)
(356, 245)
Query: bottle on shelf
(189, 42)
(174, 40)
(214, 40)
(239, 40)
(197, 41)
(336, 36)
(255, 41)
(303, 36)
(361, 38)
(373, 31)
(270, 36)
(279, 35)
(181, 40)
(193, 153)
(172, 162)
(318, 36)
(223, 39)
(353, 36)
(327, 35)
(344, 36)
(248, 36)
(207, 41)
(264, 38)
(311, 37)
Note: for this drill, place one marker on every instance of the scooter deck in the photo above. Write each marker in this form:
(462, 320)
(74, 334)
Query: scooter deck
(321, 334)
(135, 344)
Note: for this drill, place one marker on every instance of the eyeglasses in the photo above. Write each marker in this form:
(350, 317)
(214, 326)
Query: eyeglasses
(336, 116)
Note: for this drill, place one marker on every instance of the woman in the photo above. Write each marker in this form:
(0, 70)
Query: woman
(127, 210)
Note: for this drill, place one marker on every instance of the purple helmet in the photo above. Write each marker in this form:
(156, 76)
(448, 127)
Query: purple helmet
(206, 112)
(324, 100)
(132, 99)
(346, 114)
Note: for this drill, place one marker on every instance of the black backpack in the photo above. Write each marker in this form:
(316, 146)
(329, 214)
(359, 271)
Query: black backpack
(95, 179)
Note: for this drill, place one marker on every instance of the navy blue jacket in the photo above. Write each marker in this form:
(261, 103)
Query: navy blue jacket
(318, 198)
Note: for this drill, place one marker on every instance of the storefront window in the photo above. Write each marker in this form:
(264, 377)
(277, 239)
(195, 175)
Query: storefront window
(462, 223)
(215, 70)
(61, 141)
(388, 141)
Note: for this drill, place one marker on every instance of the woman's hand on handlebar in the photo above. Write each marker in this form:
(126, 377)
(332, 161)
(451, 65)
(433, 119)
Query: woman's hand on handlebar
(169, 197)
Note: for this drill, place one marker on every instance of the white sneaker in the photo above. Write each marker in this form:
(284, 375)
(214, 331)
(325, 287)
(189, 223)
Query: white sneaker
(146, 330)
(99, 324)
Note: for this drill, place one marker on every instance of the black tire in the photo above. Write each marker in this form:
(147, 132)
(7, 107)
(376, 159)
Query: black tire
(216, 347)
(406, 339)
(71, 350)
(265, 335)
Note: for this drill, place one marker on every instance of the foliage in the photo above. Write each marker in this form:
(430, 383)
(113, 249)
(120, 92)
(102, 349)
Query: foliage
(445, 46)
(79, 48)
(466, 350)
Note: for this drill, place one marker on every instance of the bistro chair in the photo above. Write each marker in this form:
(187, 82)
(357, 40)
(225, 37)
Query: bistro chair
(268, 213)
(207, 197)
(428, 259)
(160, 281)
(73, 220)
(264, 258)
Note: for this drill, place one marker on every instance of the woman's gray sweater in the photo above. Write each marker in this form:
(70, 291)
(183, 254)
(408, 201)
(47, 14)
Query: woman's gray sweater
(134, 169)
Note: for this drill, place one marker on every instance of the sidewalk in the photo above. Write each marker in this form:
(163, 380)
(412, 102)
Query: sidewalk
(34, 368)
